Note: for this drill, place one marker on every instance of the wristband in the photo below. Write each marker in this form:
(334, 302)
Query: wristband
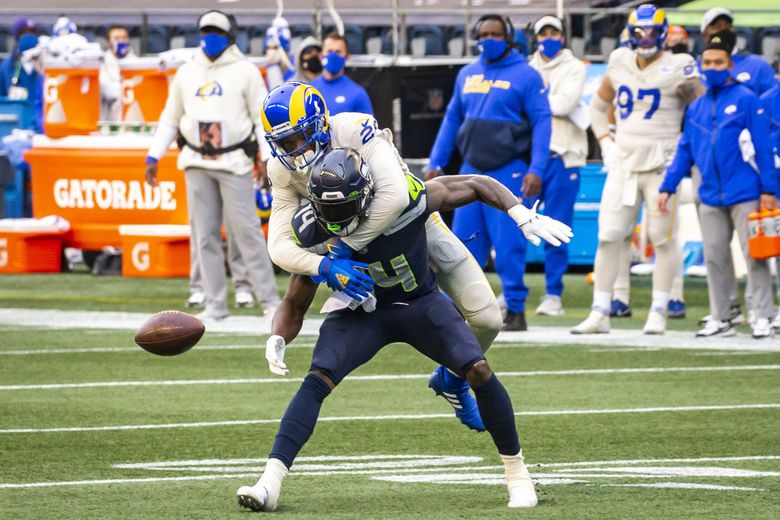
(150, 160)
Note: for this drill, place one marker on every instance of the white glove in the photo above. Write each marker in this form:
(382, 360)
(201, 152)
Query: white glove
(274, 353)
(608, 153)
(536, 227)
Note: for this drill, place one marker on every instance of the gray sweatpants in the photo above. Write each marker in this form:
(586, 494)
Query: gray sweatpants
(212, 194)
(235, 262)
(717, 227)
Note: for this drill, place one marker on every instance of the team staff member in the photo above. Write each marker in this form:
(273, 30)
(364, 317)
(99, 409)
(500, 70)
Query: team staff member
(730, 188)
(308, 64)
(214, 103)
(110, 75)
(751, 70)
(340, 93)
(564, 77)
(771, 102)
(500, 120)
(18, 82)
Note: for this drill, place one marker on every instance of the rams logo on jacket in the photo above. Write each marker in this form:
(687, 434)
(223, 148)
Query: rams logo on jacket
(210, 88)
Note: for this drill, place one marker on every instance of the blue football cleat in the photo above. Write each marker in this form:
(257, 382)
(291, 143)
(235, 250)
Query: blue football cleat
(620, 309)
(456, 391)
(676, 309)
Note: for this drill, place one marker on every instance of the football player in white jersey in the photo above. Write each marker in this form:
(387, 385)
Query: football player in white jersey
(299, 130)
(651, 88)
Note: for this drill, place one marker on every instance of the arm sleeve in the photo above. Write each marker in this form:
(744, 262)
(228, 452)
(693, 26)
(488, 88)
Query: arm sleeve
(162, 139)
(256, 94)
(536, 106)
(445, 139)
(681, 164)
(391, 194)
(568, 95)
(174, 106)
(758, 124)
(282, 248)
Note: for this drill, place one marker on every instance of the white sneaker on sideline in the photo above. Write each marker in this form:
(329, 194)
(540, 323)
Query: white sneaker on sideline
(245, 300)
(716, 328)
(550, 306)
(196, 299)
(254, 498)
(762, 329)
(595, 323)
(656, 322)
(212, 315)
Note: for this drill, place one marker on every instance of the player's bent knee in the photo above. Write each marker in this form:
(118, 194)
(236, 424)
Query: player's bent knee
(324, 377)
(612, 235)
(481, 308)
(478, 374)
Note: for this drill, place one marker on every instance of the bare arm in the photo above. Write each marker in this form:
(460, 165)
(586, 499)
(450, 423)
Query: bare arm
(453, 191)
(690, 89)
(288, 318)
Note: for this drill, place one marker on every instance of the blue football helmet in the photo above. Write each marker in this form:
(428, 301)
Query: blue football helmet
(340, 190)
(647, 27)
(295, 120)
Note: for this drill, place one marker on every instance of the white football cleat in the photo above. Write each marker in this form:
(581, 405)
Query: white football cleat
(656, 322)
(245, 300)
(716, 328)
(254, 498)
(550, 306)
(595, 323)
(762, 328)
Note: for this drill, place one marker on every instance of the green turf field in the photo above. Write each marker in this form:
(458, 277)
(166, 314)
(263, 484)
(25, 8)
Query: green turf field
(91, 426)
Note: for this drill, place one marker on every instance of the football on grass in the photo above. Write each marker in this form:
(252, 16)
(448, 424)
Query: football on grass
(169, 333)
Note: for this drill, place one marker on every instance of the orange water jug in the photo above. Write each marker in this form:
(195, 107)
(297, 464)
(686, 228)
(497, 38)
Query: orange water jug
(144, 92)
(71, 99)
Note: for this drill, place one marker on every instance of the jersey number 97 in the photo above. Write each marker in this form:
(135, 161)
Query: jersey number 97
(625, 101)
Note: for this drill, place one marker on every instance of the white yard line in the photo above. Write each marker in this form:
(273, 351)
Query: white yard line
(608, 411)
(384, 377)
(537, 336)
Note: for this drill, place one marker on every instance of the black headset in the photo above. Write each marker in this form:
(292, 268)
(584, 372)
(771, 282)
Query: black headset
(509, 29)
(233, 32)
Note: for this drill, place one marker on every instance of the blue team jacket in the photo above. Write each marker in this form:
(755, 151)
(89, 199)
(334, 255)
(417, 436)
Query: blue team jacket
(710, 139)
(771, 102)
(33, 82)
(498, 113)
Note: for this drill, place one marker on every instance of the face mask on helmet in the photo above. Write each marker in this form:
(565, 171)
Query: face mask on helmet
(340, 190)
(645, 40)
(302, 146)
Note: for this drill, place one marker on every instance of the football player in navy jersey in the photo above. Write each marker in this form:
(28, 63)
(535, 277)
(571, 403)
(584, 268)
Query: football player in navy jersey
(409, 309)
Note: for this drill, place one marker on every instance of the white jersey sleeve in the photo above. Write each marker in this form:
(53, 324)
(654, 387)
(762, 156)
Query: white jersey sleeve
(289, 190)
(391, 194)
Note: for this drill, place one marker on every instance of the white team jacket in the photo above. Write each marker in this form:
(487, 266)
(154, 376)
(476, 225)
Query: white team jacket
(229, 92)
(564, 76)
(391, 193)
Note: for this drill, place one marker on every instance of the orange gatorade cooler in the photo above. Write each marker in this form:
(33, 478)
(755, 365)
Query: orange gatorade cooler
(144, 89)
(71, 99)
(151, 251)
(29, 246)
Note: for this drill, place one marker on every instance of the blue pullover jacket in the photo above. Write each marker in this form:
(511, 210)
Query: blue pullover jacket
(710, 139)
(343, 95)
(498, 113)
(771, 102)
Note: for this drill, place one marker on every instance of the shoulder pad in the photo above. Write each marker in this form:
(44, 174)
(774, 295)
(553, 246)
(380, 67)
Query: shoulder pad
(306, 229)
(686, 65)
(353, 130)
(277, 173)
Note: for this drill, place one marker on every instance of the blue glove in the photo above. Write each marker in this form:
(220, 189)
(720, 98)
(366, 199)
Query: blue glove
(338, 249)
(341, 274)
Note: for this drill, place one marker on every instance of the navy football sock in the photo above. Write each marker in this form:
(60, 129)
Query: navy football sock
(299, 419)
(497, 414)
